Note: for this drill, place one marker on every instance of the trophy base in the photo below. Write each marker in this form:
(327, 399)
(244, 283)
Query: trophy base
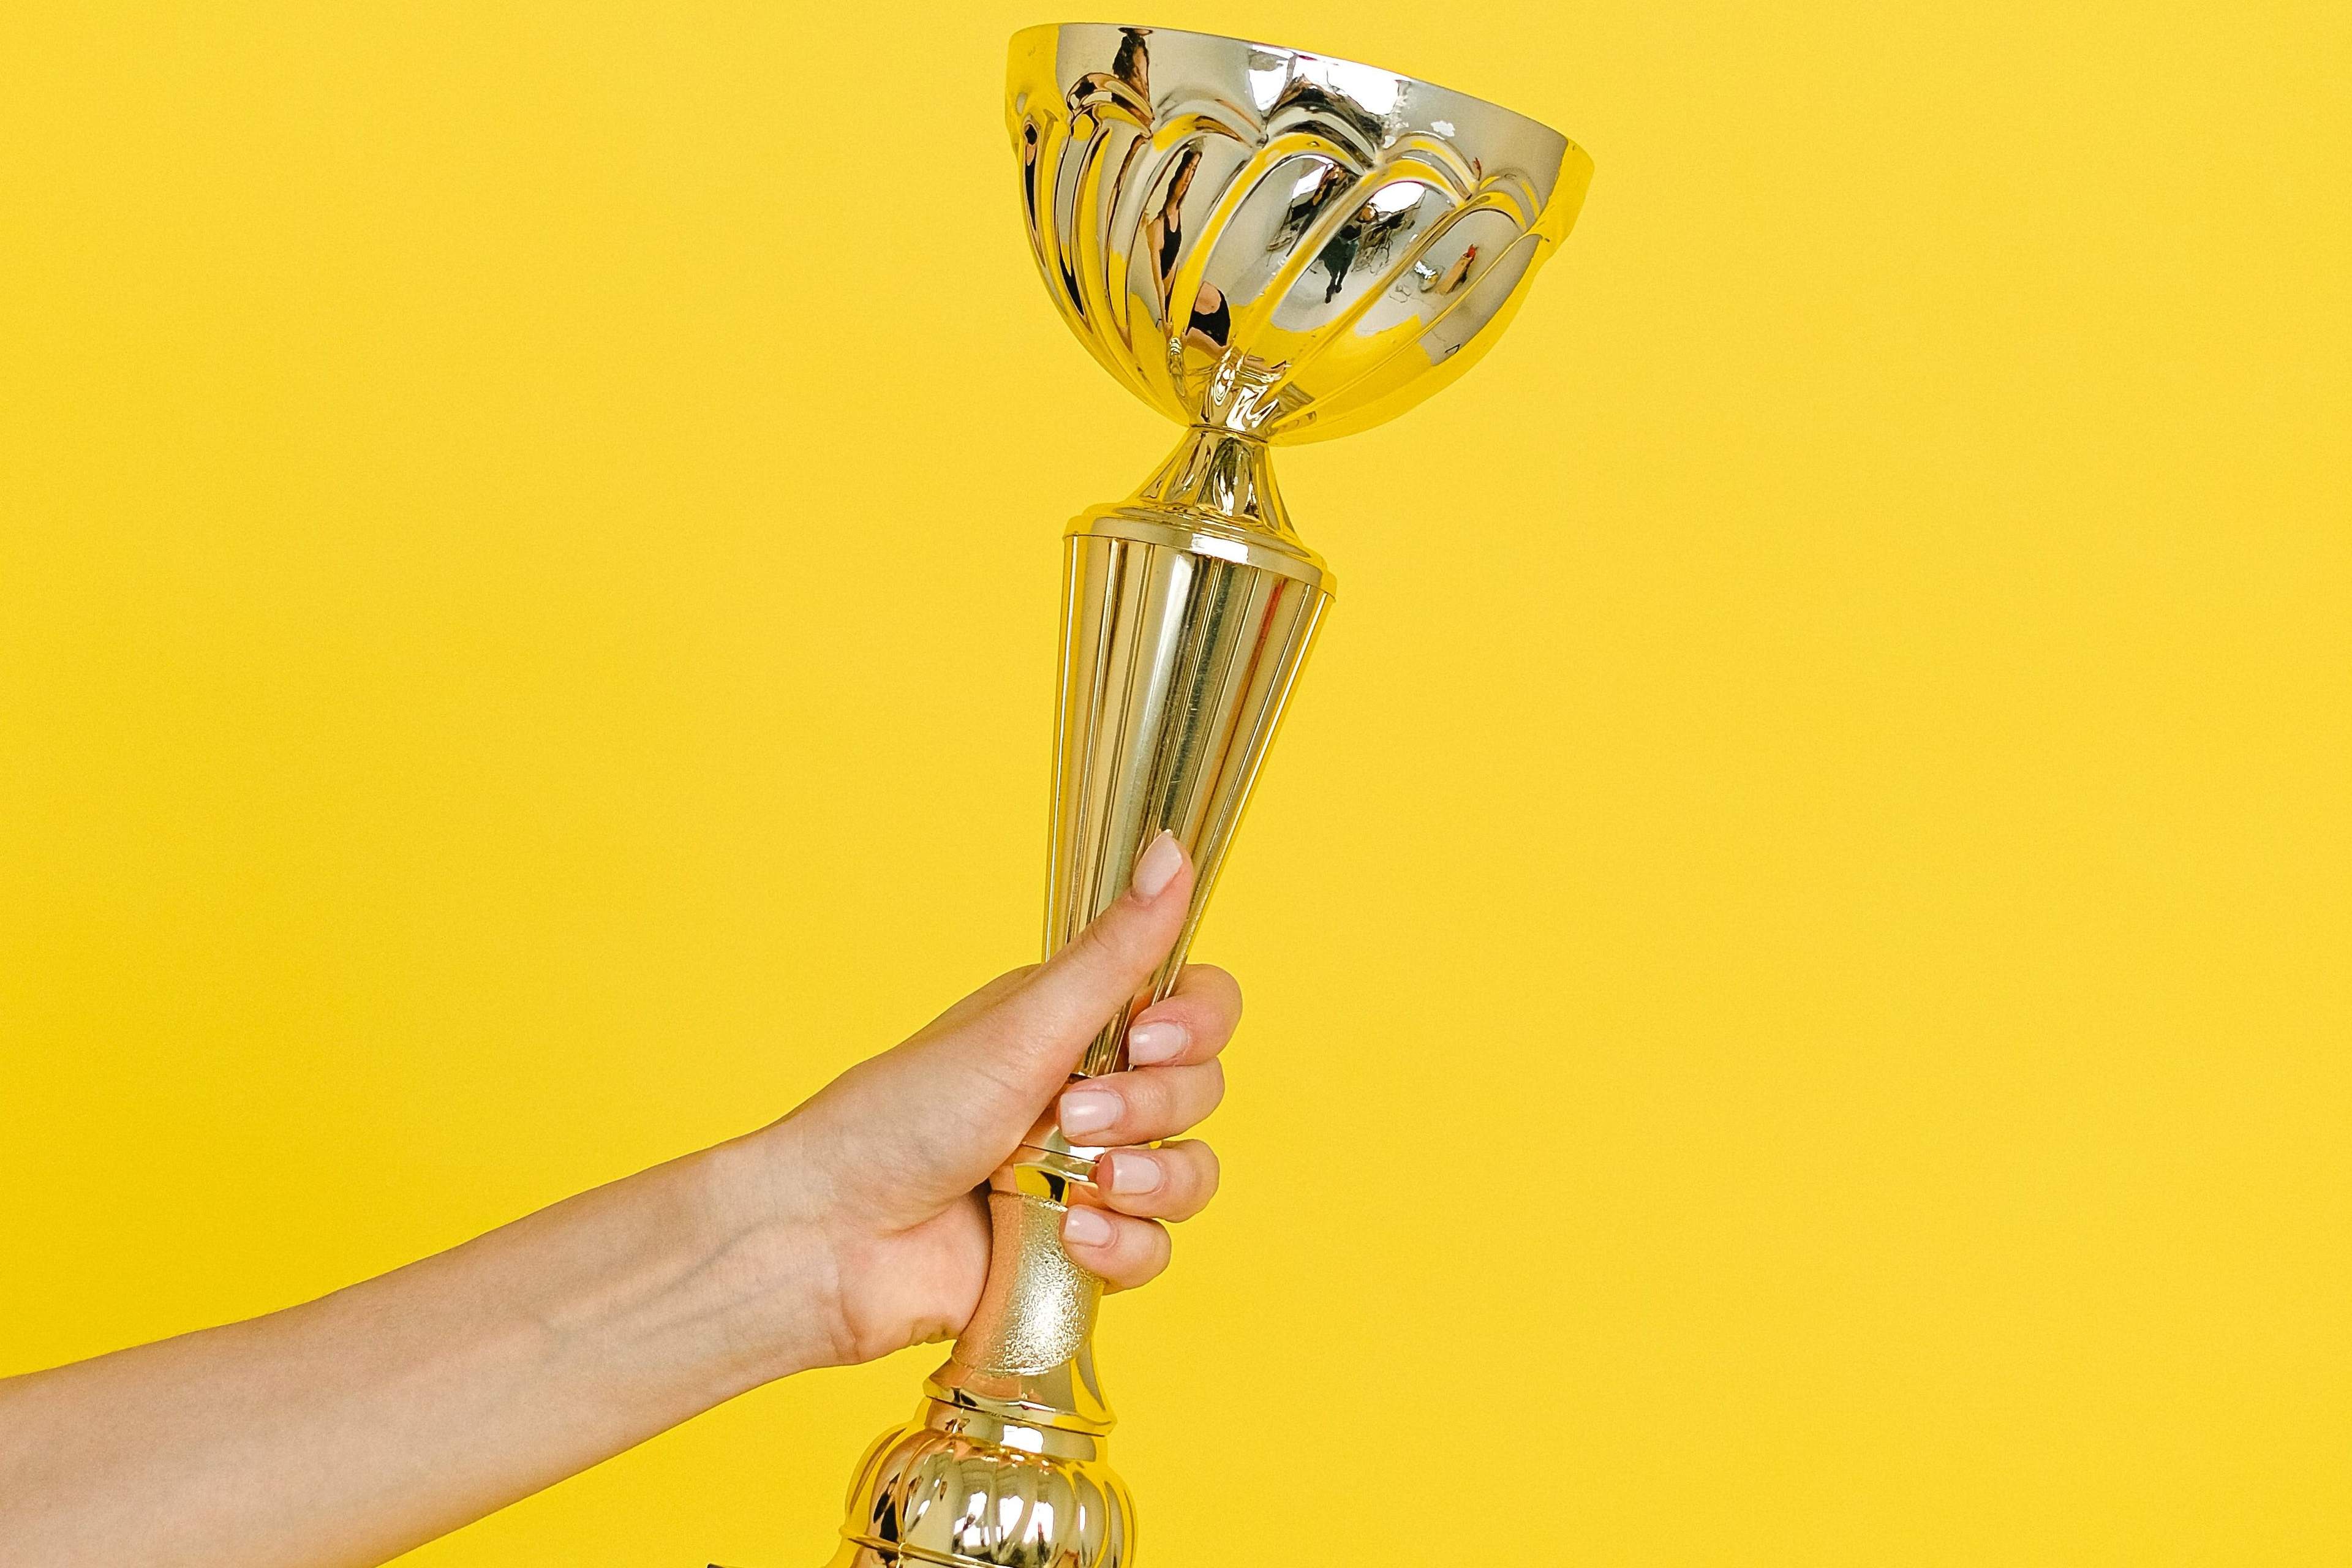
(962, 1487)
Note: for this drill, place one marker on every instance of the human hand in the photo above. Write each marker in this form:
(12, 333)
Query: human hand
(883, 1168)
(410, 1404)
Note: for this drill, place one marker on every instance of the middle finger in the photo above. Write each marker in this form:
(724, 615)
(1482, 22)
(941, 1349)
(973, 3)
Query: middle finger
(1143, 1106)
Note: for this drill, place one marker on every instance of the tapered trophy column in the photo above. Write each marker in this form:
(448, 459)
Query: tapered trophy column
(1269, 245)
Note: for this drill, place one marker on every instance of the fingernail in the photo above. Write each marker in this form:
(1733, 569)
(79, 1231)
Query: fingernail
(1085, 1228)
(1088, 1111)
(1135, 1173)
(1157, 1041)
(1159, 866)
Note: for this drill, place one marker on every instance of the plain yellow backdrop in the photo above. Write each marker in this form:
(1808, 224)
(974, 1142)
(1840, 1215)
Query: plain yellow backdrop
(1797, 937)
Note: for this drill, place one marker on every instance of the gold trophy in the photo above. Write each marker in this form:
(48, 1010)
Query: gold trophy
(1268, 246)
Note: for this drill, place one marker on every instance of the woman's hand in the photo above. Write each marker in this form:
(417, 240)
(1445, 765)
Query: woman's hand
(880, 1173)
(344, 1431)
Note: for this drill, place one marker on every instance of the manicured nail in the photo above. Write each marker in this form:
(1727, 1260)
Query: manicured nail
(1085, 1226)
(1088, 1110)
(1157, 1041)
(1159, 866)
(1134, 1173)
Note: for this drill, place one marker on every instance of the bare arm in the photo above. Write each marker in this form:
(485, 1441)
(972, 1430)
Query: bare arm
(350, 1429)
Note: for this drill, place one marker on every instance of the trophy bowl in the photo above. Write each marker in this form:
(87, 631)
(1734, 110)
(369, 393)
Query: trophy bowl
(1272, 242)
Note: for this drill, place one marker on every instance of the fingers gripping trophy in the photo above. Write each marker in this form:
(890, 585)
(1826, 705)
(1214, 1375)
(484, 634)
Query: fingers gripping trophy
(1268, 246)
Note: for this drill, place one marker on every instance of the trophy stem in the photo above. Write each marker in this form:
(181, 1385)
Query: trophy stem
(1224, 476)
(1187, 612)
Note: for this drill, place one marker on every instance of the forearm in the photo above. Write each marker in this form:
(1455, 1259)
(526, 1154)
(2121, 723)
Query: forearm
(348, 1429)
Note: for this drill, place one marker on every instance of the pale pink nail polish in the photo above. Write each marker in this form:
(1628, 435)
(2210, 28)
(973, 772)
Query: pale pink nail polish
(1085, 1226)
(1088, 1110)
(1159, 866)
(1134, 1173)
(1156, 1041)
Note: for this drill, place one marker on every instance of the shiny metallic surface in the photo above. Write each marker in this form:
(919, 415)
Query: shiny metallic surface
(1268, 246)
(1175, 667)
(1273, 241)
(957, 1486)
(1035, 1318)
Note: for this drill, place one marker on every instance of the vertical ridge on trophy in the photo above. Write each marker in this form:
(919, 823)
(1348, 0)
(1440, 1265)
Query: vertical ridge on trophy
(1269, 245)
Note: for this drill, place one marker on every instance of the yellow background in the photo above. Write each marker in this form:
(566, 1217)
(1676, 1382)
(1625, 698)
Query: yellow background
(1797, 937)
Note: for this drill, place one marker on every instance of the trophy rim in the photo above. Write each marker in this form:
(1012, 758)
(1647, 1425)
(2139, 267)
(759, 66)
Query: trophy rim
(1569, 144)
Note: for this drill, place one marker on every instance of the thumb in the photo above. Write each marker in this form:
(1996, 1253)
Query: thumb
(1035, 1034)
(945, 1107)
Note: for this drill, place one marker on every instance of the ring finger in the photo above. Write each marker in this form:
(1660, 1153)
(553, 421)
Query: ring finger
(1175, 1181)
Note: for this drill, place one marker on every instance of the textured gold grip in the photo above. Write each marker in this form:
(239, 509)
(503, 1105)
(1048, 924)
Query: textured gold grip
(1030, 1331)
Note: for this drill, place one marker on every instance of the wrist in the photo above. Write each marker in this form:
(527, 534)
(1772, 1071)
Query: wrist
(779, 1244)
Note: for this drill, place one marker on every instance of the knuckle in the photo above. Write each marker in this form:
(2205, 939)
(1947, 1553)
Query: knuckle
(1098, 944)
(1210, 979)
(1148, 1249)
(1147, 1099)
(1229, 992)
(1199, 1182)
(1182, 1192)
(1213, 993)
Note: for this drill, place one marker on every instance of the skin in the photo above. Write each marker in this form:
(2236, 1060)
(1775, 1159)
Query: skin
(349, 1429)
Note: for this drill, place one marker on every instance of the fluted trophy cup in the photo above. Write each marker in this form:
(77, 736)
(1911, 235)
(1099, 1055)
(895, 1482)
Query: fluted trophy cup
(1268, 246)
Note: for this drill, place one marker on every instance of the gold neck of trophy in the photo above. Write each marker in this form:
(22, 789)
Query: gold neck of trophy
(1219, 476)
(1213, 496)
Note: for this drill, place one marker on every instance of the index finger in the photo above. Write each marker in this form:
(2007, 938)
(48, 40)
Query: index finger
(1190, 1023)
